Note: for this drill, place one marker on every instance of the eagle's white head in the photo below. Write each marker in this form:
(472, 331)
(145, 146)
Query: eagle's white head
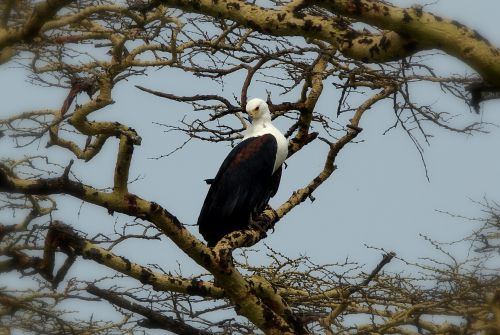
(258, 109)
(261, 125)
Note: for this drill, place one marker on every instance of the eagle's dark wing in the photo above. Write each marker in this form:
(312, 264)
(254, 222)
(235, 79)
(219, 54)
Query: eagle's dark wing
(243, 186)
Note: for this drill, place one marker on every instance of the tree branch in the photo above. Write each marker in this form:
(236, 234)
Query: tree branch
(155, 319)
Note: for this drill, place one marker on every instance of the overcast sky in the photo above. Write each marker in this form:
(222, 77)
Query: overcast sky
(379, 195)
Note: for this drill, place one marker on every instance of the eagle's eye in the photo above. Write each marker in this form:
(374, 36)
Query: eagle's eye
(257, 108)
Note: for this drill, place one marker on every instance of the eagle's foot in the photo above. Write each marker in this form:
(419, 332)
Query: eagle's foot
(269, 222)
(256, 225)
(261, 223)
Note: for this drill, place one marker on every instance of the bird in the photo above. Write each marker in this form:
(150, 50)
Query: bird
(248, 177)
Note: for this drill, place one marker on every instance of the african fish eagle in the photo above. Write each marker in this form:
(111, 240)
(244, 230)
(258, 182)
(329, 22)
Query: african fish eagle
(247, 179)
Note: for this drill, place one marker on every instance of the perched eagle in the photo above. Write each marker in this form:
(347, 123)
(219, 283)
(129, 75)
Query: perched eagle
(247, 179)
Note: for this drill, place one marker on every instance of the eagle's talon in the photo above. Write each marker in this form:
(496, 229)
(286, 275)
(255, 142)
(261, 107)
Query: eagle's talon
(261, 223)
(256, 225)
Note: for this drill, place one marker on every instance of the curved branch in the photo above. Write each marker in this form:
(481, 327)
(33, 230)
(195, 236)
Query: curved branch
(426, 31)
(409, 30)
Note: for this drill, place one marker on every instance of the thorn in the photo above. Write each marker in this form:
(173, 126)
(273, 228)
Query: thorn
(65, 175)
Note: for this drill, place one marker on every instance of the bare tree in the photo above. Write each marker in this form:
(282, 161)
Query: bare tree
(296, 49)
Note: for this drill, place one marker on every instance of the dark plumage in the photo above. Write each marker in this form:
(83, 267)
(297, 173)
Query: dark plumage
(242, 187)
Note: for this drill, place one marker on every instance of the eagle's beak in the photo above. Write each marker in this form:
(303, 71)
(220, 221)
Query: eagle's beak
(251, 115)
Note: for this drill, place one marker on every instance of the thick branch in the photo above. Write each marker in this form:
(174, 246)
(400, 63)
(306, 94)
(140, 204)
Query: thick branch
(409, 30)
(426, 31)
(289, 21)
(67, 238)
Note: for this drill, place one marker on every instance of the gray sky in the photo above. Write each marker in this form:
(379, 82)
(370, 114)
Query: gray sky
(378, 196)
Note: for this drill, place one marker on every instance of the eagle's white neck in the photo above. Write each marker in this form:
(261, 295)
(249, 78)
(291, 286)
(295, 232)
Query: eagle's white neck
(261, 122)
(259, 127)
(262, 126)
